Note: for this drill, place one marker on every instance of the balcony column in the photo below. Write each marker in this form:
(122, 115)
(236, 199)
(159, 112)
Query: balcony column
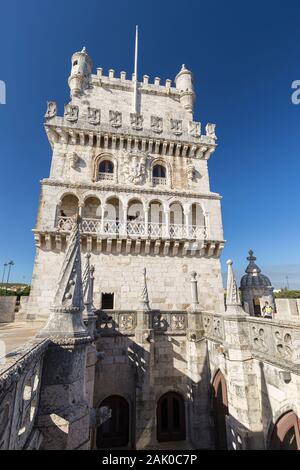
(80, 208)
(103, 208)
(123, 228)
(206, 225)
(166, 229)
(146, 219)
(187, 222)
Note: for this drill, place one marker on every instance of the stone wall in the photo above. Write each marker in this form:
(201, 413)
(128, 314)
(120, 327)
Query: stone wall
(168, 281)
(142, 374)
(7, 308)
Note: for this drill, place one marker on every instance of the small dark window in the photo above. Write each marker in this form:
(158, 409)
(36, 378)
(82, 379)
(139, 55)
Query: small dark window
(170, 418)
(159, 171)
(107, 301)
(106, 167)
(114, 432)
(75, 62)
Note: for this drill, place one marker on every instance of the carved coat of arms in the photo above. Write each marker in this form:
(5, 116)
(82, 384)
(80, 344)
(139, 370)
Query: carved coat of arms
(93, 116)
(134, 168)
(71, 112)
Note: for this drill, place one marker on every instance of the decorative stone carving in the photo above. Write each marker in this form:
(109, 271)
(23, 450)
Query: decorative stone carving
(72, 159)
(206, 324)
(66, 313)
(178, 322)
(284, 345)
(106, 321)
(259, 340)
(160, 322)
(134, 168)
(210, 130)
(194, 128)
(233, 301)
(156, 124)
(176, 126)
(217, 328)
(136, 121)
(145, 296)
(71, 112)
(93, 115)
(127, 321)
(190, 172)
(51, 110)
(115, 118)
(88, 287)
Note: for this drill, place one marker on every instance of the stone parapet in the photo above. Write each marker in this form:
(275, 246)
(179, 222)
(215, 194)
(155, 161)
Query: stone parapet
(20, 379)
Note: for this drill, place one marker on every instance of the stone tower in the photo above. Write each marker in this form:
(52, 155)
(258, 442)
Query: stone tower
(136, 172)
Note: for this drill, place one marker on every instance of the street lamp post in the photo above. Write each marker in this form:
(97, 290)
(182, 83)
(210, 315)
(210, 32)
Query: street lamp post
(10, 264)
(3, 274)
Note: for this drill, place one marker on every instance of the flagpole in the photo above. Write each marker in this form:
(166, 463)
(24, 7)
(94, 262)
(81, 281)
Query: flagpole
(135, 70)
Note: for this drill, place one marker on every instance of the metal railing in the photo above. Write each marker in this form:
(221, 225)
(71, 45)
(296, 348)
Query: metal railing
(134, 228)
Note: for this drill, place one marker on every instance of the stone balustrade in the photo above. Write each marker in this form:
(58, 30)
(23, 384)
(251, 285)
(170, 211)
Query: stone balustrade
(134, 229)
(112, 322)
(20, 379)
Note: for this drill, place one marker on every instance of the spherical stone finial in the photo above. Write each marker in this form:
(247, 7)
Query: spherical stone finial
(88, 255)
(229, 262)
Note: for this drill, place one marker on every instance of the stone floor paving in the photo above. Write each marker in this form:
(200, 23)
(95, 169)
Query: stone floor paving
(14, 335)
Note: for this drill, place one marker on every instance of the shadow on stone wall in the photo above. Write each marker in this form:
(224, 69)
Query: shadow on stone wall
(142, 373)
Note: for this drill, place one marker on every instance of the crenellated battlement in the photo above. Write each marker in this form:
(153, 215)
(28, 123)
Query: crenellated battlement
(110, 78)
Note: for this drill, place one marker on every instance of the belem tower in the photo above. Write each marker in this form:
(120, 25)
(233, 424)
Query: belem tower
(138, 349)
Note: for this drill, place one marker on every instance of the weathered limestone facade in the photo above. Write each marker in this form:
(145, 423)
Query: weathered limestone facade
(140, 182)
(138, 350)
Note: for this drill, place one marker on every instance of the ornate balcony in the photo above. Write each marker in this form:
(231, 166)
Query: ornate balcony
(159, 180)
(103, 176)
(134, 229)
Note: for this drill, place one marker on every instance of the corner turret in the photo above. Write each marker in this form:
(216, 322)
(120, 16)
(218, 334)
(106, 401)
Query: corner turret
(184, 83)
(80, 72)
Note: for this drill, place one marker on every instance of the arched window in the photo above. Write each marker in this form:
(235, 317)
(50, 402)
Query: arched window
(159, 175)
(114, 430)
(286, 433)
(171, 418)
(106, 170)
(220, 410)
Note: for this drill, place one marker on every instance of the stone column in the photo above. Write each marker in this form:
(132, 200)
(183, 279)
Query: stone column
(103, 209)
(146, 218)
(207, 226)
(80, 208)
(123, 230)
(187, 222)
(194, 288)
(166, 231)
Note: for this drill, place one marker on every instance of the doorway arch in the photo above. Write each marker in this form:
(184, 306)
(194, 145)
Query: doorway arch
(220, 410)
(114, 431)
(286, 432)
(170, 415)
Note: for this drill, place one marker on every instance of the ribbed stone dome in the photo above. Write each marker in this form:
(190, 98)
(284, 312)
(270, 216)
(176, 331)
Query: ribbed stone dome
(254, 278)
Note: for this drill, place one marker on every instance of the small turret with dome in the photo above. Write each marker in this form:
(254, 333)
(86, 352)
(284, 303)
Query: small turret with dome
(256, 288)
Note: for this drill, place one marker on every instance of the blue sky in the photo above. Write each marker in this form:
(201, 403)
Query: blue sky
(244, 56)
